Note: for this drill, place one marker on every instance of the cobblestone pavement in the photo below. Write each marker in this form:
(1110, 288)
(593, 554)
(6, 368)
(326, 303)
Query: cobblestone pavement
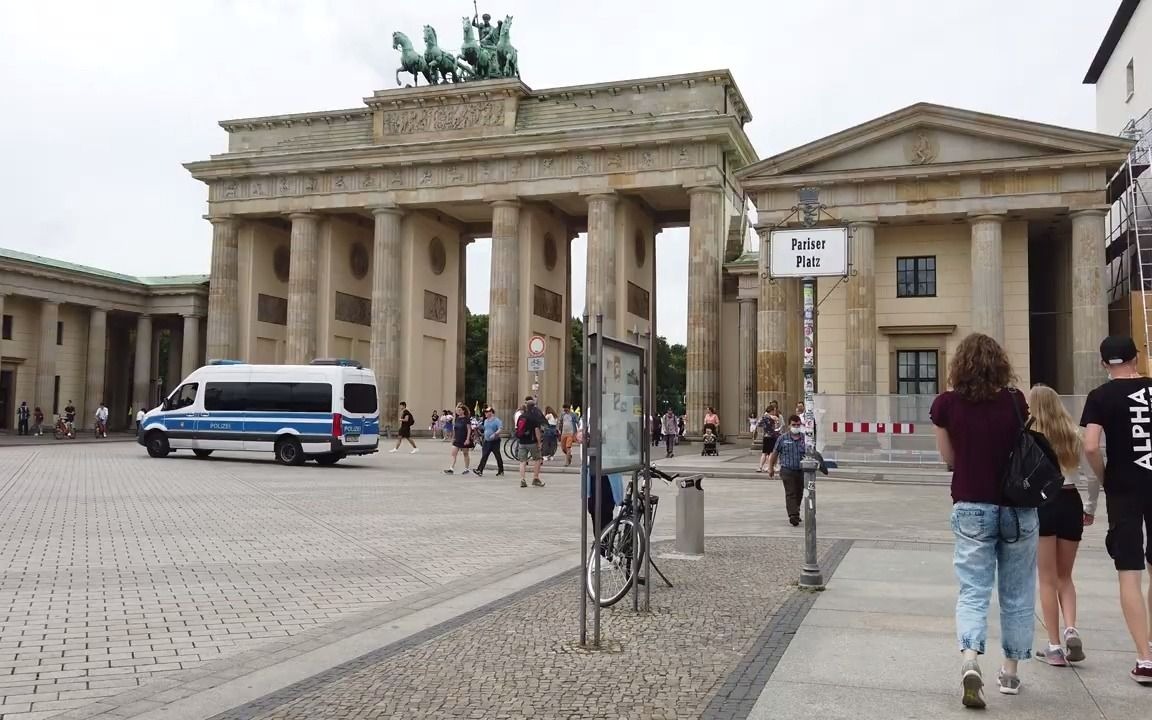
(522, 660)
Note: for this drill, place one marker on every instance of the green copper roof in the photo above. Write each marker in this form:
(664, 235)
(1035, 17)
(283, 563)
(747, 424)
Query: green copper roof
(157, 281)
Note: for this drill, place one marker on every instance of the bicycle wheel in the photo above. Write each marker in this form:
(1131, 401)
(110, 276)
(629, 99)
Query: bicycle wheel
(617, 561)
(511, 448)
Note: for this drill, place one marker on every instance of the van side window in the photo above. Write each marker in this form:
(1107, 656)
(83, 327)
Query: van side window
(268, 397)
(224, 396)
(186, 396)
(360, 398)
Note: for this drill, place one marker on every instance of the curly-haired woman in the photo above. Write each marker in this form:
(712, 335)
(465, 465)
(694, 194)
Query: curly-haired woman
(976, 425)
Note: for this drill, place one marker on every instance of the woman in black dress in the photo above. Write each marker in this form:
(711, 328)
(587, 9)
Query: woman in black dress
(461, 439)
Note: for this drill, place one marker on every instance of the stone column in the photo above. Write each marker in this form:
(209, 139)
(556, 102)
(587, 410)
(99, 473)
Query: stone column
(190, 350)
(46, 360)
(988, 276)
(860, 294)
(705, 241)
(142, 375)
(1089, 299)
(1, 336)
(504, 349)
(302, 277)
(224, 291)
(771, 337)
(386, 310)
(97, 345)
(600, 294)
(749, 290)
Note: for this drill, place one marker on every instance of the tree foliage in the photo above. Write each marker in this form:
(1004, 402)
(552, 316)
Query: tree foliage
(475, 388)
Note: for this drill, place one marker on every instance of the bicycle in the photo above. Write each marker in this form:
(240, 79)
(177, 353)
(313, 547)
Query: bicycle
(64, 429)
(620, 559)
(512, 449)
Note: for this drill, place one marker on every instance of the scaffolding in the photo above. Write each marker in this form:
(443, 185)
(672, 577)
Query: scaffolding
(1128, 245)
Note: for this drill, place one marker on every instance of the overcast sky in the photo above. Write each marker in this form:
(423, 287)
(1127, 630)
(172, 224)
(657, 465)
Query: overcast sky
(104, 99)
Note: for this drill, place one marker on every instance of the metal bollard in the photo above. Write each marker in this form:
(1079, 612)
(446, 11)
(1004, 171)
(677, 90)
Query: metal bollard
(810, 575)
(690, 515)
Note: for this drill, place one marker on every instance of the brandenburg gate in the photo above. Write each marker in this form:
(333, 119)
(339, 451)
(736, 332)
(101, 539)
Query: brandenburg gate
(343, 233)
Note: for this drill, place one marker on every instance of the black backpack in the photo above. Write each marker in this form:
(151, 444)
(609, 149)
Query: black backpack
(1032, 475)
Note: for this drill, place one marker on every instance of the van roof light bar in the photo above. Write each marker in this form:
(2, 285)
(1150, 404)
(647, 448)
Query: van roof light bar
(342, 362)
(222, 361)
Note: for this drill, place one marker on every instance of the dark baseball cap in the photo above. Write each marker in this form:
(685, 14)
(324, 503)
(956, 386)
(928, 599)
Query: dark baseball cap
(1117, 350)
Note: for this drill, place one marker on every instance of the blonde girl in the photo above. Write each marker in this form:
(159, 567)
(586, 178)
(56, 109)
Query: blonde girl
(1062, 521)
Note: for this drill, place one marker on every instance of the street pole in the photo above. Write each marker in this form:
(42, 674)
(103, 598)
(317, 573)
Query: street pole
(810, 575)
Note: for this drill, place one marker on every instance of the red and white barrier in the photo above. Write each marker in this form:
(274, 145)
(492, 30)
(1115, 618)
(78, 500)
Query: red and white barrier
(875, 428)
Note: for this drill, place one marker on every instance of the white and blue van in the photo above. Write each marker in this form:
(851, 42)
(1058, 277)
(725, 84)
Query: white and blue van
(324, 411)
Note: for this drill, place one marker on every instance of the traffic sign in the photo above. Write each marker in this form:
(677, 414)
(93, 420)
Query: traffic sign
(536, 346)
(536, 364)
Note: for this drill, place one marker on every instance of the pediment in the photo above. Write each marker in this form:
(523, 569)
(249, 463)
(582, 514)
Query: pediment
(927, 135)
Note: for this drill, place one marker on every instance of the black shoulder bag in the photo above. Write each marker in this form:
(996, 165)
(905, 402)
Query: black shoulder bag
(1032, 475)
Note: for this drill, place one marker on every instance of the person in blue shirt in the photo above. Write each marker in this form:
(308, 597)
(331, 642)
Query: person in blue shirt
(491, 432)
(789, 452)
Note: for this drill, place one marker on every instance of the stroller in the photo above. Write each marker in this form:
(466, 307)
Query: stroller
(709, 442)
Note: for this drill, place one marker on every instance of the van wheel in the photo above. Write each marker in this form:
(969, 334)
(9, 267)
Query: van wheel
(202, 453)
(289, 452)
(157, 444)
(328, 459)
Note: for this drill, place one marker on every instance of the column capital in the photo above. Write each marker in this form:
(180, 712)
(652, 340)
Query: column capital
(605, 196)
(698, 189)
(1088, 212)
(974, 218)
(302, 215)
(388, 210)
(506, 203)
(143, 316)
(220, 219)
(862, 223)
(192, 315)
(46, 301)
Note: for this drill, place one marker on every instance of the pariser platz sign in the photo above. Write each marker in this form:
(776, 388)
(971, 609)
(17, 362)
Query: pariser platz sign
(808, 252)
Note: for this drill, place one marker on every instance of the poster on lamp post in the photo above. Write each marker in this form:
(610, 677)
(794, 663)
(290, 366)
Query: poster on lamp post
(622, 408)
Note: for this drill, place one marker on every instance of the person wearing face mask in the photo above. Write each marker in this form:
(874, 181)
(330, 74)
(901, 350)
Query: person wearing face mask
(789, 451)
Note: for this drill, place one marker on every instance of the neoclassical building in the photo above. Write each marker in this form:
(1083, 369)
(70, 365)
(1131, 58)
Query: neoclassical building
(88, 335)
(343, 233)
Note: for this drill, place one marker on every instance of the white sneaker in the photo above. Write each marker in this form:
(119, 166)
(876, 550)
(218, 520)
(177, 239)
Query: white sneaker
(393, 450)
(414, 451)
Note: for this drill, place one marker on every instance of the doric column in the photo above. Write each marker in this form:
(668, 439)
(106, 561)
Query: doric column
(771, 337)
(302, 276)
(988, 276)
(1089, 299)
(504, 310)
(224, 291)
(46, 359)
(142, 375)
(386, 311)
(705, 239)
(600, 296)
(97, 343)
(860, 350)
(190, 351)
(749, 291)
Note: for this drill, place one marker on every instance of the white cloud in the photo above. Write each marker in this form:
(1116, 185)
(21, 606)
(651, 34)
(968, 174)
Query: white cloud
(104, 100)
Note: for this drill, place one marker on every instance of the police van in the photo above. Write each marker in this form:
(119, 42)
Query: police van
(324, 411)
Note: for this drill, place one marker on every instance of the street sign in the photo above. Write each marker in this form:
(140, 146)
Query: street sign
(808, 252)
(536, 364)
(536, 346)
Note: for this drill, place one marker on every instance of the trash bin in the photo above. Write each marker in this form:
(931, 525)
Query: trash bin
(690, 515)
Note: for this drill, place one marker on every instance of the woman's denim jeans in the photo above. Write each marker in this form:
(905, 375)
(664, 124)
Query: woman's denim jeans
(984, 550)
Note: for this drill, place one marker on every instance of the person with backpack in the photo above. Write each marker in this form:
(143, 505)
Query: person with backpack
(1062, 522)
(530, 434)
(1120, 411)
(770, 424)
(978, 426)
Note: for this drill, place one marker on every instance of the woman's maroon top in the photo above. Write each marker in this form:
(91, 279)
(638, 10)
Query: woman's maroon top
(982, 434)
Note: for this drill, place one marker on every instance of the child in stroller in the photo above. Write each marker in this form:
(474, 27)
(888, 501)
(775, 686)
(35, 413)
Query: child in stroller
(709, 441)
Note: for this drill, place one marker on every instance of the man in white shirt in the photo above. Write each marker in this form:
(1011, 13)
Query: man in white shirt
(139, 420)
(102, 421)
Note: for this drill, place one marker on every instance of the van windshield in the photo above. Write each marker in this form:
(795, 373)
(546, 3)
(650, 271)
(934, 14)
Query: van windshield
(360, 398)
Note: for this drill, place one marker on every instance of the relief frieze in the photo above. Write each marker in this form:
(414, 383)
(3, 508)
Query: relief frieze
(354, 309)
(441, 119)
(435, 306)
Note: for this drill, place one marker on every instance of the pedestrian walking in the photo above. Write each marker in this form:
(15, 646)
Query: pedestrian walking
(140, 420)
(1062, 522)
(434, 426)
(711, 419)
(529, 434)
(38, 420)
(490, 429)
(977, 424)
(680, 426)
(461, 439)
(753, 425)
(1120, 411)
(770, 424)
(447, 420)
(569, 426)
(670, 428)
(789, 451)
(23, 413)
(405, 434)
(551, 436)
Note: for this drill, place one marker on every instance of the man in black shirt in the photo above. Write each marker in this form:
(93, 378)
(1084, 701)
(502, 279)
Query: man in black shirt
(529, 433)
(406, 423)
(1121, 411)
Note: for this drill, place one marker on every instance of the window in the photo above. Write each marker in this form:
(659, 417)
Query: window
(7, 335)
(184, 396)
(1130, 77)
(360, 398)
(268, 397)
(56, 395)
(916, 372)
(916, 276)
(60, 333)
